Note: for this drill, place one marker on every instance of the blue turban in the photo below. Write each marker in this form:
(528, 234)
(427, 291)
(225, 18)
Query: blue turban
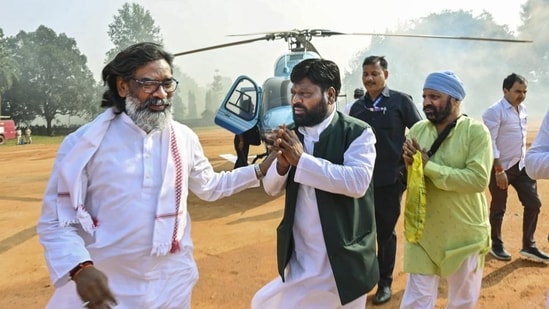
(445, 82)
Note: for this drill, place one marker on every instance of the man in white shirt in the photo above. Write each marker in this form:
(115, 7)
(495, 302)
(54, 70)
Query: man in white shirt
(114, 224)
(506, 120)
(28, 138)
(19, 135)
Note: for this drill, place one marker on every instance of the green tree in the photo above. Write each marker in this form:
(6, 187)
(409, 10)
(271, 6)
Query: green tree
(215, 93)
(133, 24)
(187, 90)
(55, 79)
(9, 69)
(179, 108)
(191, 101)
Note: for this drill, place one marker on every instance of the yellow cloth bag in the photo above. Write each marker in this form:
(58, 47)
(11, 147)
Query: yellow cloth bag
(416, 201)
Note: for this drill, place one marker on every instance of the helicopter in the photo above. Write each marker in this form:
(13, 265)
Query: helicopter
(248, 105)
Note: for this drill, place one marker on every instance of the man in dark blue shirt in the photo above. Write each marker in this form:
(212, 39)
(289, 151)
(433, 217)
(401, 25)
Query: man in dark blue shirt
(389, 112)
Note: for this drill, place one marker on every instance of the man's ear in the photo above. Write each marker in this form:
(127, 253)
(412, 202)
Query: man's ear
(331, 95)
(122, 87)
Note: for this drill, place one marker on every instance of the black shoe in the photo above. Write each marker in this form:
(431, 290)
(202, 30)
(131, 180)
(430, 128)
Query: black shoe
(534, 254)
(383, 295)
(500, 253)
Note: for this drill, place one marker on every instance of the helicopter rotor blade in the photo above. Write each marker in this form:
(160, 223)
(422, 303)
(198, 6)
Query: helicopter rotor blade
(449, 37)
(267, 37)
(261, 33)
(294, 33)
(303, 38)
(325, 33)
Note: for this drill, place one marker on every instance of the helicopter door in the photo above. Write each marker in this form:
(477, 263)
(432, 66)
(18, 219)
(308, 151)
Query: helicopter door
(239, 111)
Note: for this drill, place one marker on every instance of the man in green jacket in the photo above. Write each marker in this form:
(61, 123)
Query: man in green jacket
(326, 239)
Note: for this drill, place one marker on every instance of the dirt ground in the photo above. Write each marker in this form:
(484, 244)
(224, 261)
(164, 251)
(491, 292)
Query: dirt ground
(234, 240)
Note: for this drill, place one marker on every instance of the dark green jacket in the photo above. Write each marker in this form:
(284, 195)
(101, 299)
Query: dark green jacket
(348, 224)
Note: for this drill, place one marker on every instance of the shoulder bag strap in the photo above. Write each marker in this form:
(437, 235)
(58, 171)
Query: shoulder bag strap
(441, 137)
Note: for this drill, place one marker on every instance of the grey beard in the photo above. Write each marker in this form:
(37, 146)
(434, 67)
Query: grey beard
(146, 119)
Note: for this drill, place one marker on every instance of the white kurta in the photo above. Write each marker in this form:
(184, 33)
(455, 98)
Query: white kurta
(309, 281)
(124, 181)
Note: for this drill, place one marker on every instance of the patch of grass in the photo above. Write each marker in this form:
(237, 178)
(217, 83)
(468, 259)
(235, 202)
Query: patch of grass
(47, 139)
(37, 139)
(202, 129)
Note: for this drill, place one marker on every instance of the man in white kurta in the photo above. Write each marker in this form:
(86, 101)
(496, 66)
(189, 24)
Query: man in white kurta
(310, 282)
(117, 197)
(123, 187)
(309, 277)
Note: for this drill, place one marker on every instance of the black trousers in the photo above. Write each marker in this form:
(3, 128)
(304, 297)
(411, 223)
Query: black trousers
(241, 153)
(387, 201)
(528, 195)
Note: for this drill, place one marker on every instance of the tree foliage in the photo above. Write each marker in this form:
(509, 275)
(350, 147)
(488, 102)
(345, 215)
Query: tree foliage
(55, 79)
(133, 24)
(482, 65)
(214, 96)
(534, 16)
(187, 92)
(9, 69)
(43, 74)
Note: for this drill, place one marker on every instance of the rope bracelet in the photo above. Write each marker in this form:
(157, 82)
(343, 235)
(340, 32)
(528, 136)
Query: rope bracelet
(75, 271)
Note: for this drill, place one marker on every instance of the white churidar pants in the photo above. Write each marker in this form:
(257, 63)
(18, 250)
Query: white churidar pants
(463, 288)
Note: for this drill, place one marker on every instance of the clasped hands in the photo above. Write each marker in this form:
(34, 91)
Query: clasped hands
(285, 144)
(409, 149)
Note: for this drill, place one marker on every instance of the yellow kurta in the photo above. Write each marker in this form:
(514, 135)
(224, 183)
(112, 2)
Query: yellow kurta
(456, 176)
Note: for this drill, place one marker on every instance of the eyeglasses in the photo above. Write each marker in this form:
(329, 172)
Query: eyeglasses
(151, 86)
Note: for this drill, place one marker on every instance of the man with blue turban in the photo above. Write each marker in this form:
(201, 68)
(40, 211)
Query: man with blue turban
(456, 229)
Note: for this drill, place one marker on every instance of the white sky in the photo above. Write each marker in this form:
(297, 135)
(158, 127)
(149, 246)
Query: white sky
(187, 25)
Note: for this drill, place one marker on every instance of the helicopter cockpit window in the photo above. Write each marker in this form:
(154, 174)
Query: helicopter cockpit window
(276, 92)
(239, 111)
(242, 105)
